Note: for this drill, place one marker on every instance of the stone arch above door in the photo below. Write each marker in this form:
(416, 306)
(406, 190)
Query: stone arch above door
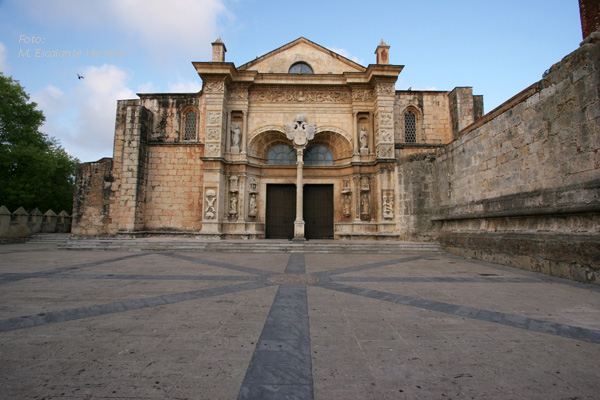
(264, 139)
(263, 142)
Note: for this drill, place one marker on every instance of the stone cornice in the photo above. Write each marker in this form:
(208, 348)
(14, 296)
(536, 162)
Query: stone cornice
(229, 73)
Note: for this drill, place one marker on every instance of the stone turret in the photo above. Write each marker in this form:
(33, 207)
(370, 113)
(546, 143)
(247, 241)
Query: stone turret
(218, 50)
(383, 53)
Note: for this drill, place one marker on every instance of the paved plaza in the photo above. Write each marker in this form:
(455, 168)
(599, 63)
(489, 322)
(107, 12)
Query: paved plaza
(196, 325)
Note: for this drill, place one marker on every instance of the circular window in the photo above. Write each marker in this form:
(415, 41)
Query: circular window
(300, 68)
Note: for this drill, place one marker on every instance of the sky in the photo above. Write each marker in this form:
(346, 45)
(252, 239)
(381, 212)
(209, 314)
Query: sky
(124, 47)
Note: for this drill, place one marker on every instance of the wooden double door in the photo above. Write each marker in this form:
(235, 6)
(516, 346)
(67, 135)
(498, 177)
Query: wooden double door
(317, 210)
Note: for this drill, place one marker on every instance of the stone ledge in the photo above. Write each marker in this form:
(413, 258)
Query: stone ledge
(575, 257)
(528, 204)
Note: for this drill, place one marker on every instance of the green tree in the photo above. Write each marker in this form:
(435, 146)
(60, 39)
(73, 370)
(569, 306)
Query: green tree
(35, 171)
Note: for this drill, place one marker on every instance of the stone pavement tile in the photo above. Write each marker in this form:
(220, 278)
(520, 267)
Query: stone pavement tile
(58, 295)
(534, 301)
(271, 262)
(212, 382)
(163, 264)
(348, 389)
(48, 259)
(329, 262)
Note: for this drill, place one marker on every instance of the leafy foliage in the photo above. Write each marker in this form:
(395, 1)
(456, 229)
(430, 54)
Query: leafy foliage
(35, 171)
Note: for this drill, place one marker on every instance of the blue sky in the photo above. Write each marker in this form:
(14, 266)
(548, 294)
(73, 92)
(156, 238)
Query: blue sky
(497, 47)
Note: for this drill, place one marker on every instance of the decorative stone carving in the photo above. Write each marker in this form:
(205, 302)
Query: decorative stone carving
(252, 204)
(214, 87)
(386, 136)
(233, 204)
(237, 93)
(300, 132)
(253, 185)
(211, 196)
(388, 206)
(213, 150)
(364, 140)
(252, 207)
(300, 96)
(386, 151)
(347, 198)
(362, 95)
(213, 117)
(212, 134)
(236, 134)
(364, 205)
(365, 186)
(385, 89)
(233, 183)
(365, 202)
(386, 119)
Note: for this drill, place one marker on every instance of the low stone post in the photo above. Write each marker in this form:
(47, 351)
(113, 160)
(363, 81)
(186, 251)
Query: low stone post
(35, 221)
(49, 224)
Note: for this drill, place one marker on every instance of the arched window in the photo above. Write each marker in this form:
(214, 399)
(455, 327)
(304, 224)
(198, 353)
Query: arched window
(410, 127)
(281, 154)
(318, 155)
(300, 68)
(189, 128)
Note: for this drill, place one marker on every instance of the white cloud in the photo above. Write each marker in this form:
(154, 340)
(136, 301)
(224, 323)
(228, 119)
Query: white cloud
(163, 28)
(3, 63)
(98, 95)
(83, 119)
(185, 87)
(170, 26)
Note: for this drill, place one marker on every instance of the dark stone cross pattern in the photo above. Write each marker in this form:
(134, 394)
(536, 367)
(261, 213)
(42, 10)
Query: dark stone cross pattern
(281, 364)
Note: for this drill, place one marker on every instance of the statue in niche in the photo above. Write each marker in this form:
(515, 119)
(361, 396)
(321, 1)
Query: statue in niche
(364, 203)
(364, 139)
(210, 204)
(233, 204)
(236, 135)
(347, 205)
(388, 207)
(253, 207)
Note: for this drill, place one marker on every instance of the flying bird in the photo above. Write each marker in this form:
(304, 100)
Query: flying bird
(79, 76)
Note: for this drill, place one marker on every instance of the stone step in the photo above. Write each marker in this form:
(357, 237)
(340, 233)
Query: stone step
(49, 238)
(252, 246)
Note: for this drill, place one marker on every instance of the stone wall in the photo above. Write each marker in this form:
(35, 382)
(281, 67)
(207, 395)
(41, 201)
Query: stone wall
(20, 225)
(522, 185)
(174, 193)
(417, 199)
(92, 198)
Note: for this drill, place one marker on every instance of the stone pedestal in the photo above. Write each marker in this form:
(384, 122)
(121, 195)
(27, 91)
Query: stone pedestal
(299, 231)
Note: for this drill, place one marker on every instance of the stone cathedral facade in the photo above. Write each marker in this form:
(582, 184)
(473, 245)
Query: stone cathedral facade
(303, 143)
(225, 163)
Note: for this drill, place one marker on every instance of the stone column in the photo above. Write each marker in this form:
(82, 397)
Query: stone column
(299, 222)
(244, 132)
(356, 137)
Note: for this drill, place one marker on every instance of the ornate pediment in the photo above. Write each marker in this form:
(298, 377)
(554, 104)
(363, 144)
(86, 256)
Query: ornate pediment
(320, 59)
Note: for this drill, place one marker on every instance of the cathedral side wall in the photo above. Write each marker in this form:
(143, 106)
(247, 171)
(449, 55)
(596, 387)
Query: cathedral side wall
(522, 186)
(174, 192)
(433, 118)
